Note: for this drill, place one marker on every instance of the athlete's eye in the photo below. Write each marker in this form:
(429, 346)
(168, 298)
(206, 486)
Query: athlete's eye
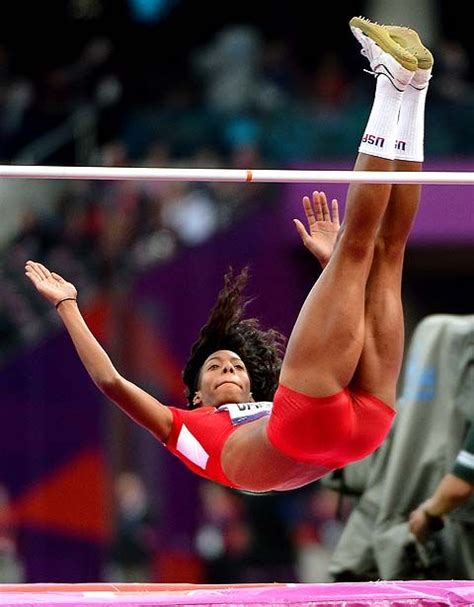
(212, 367)
(240, 367)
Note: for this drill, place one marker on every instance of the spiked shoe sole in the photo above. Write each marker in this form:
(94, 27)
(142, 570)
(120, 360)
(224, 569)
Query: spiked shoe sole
(409, 40)
(383, 39)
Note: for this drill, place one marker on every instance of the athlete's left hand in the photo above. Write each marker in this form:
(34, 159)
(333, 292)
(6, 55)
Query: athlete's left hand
(323, 226)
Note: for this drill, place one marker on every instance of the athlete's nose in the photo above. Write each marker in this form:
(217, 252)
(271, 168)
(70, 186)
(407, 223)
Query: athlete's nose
(228, 368)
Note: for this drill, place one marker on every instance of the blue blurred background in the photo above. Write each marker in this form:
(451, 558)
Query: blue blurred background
(84, 494)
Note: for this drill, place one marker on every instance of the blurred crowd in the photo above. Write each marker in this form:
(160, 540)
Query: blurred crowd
(266, 538)
(100, 235)
(239, 537)
(238, 89)
(244, 101)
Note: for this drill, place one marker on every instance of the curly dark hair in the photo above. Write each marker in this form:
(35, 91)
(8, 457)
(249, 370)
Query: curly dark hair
(260, 350)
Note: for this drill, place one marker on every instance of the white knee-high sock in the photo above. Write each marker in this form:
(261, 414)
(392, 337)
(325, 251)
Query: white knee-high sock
(411, 125)
(381, 131)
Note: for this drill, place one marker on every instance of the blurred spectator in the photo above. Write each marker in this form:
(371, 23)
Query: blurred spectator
(16, 95)
(245, 538)
(388, 536)
(189, 211)
(133, 550)
(329, 83)
(223, 538)
(317, 531)
(230, 69)
(452, 72)
(11, 569)
(279, 73)
(272, 550)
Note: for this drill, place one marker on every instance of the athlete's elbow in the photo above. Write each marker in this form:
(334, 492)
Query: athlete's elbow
(110, 385)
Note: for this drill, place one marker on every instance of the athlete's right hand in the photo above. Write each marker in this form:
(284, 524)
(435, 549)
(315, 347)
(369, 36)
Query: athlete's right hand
(49, 284)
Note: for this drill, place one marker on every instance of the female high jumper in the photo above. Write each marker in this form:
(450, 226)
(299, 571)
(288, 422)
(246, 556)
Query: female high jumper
(333, 394)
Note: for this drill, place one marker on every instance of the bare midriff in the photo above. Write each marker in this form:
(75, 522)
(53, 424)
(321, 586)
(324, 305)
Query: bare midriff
(251, 462)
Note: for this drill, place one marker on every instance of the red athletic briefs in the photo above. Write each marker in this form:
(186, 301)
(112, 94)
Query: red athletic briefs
(329, 432)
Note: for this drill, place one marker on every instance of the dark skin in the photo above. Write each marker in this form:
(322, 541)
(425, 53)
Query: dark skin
(345, 329)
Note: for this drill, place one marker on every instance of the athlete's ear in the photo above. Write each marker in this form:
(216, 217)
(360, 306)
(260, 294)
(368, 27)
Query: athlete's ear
(252, 400)
(197, 399)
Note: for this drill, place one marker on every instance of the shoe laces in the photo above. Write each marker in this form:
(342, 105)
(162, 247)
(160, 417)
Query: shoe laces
(374, 74)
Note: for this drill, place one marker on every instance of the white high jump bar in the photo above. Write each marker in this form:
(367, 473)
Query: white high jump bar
(234, 175)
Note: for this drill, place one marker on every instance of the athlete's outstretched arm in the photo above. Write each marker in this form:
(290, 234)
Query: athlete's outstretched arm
(323, 226)
(138, 404)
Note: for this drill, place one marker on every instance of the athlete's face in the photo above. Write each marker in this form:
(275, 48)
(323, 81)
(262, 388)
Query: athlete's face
(223, 379)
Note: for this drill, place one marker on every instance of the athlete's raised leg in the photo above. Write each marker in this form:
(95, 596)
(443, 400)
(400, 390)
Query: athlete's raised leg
(327, 340)
(382, 355)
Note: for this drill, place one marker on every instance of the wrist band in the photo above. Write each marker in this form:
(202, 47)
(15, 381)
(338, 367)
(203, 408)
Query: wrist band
(65, 299)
